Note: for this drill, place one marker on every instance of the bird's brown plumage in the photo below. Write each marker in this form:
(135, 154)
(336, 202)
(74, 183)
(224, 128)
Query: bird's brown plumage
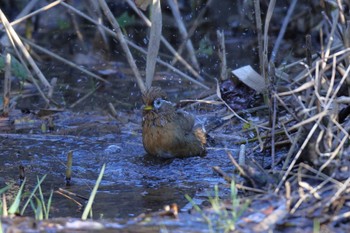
(167, 132)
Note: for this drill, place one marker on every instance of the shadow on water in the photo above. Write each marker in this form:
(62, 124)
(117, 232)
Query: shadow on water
(133, 182)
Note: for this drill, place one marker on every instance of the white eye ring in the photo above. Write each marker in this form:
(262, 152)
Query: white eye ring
(157, 103)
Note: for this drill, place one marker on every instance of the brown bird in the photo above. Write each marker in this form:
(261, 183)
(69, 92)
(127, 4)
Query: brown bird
(167, 132)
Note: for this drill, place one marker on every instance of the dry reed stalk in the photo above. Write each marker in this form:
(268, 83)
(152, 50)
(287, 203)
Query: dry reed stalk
(293, 147)
(308, 50)
(61, 59)
(165, 42)
(338, 148)
(304, 60)
(222, 54)
(326, 53)
(236, 164)
(154, 41)
(51, 91)
(11, 33)
(20, 57)
(340, 191)
(321, 102)
(118, 33)
(265, 64)
(273, 110)
(302, 147)
(169, 66)
(23, 14)
(95, 11)
(340, 217)
(282, 31)
(267, 69)
(259, 32)
(77, 30)
(193, 28)
(138, 48)
(183, 32)
(7, 86)
(311, 192)
(319, 175)
(259, 138)
(301, 88)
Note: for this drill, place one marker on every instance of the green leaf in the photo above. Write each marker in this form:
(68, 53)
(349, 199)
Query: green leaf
(93, 194)
(32, 194)
(5, 189)
(48, 205)
(15, 205)
(38, 210)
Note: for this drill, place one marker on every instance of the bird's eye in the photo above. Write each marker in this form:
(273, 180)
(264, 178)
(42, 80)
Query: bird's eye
(157, 103)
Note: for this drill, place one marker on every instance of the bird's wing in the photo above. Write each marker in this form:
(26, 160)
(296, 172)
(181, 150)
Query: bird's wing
(185, 120)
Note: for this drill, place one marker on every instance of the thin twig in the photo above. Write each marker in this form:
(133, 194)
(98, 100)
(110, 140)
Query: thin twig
(84, 97)
(72, 194)
(69, 198)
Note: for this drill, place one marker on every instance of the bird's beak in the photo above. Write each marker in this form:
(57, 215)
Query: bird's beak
(148, 108)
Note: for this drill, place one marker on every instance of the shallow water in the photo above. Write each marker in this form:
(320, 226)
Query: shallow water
(133, 182)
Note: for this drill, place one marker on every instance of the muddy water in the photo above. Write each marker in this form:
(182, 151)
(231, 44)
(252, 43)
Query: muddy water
(133, 182)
